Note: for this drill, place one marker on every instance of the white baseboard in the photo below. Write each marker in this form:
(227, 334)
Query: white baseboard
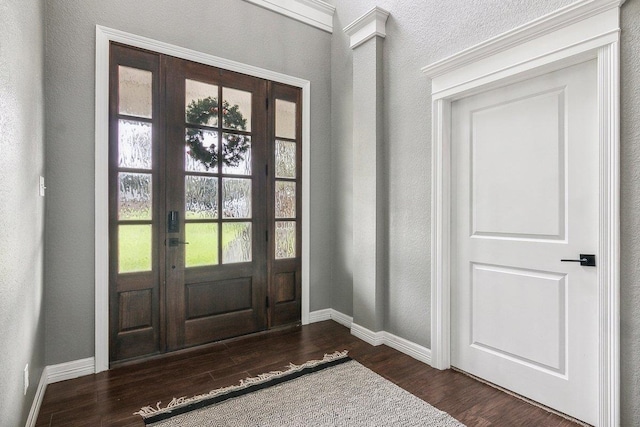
(320, 315)
(330, 314)
(405, 346)
(56, 373)
(37, 399)
(70, 370)
(373, 338)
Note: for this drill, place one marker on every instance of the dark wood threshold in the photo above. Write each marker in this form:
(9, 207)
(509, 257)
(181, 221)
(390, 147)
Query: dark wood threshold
(110, 398)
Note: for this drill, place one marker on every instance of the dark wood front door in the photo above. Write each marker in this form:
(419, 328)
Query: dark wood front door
(204, 168)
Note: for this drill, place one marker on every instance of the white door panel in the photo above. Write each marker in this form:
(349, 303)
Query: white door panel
(525, 196)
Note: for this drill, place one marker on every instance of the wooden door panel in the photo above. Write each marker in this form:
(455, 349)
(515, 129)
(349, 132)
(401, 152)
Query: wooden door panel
(134, 324)
(285, 207)
(203, 298)
(224, 298)
(286, 300)
(206, 330)
(216, 235)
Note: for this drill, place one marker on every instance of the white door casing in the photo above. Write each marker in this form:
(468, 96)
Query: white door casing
(524, 196)
(586, 29)
(104, 36)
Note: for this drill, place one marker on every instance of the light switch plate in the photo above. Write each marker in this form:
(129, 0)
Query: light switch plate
(42, 187)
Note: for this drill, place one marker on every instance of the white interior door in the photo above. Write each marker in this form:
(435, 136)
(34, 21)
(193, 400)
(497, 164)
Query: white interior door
(525, 196)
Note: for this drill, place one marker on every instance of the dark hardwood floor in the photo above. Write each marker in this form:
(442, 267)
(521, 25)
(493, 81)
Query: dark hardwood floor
(110, 398)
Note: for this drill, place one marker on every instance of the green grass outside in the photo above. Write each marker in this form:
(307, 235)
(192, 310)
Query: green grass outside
(135, 245)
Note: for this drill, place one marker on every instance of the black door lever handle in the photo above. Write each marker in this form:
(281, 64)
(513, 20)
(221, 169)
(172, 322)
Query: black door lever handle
(174, 241)
(585, 260)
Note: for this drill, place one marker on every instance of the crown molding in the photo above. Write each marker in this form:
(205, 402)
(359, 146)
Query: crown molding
(369, 25)
(316, 13)
(563, 17)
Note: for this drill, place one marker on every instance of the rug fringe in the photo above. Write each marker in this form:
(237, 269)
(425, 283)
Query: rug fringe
(149, 411)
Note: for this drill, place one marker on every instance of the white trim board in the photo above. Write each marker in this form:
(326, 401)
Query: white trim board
(407, 347)
(330, 314)
(586, 29)
(316, 13)
(56, 373)
(70, 370)
(37, 400)
(106, 35)
(371, 24)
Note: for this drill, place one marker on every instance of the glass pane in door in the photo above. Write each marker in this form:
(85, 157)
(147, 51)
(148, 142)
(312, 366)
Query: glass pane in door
(285, 159)
(201, 197)
(236, 242)
(285, 239)
(285, 119)
(134, 196)
(134, 144)
(236, 198)
(134, 248)
(236, 154)
(201, 103)
(134, 94)
(285, 199)
(202, 248)
(236, 109)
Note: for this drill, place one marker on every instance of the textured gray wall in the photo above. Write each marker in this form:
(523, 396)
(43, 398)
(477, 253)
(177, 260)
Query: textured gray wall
(419, 33)
(21, 208)
(235, 30)
(630, 221)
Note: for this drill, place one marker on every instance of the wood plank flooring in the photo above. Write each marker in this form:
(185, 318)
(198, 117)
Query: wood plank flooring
(110, 398)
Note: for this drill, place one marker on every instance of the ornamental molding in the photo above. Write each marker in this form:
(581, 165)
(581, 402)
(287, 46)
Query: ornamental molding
(552, 22)
(369, 25)
(316, 13)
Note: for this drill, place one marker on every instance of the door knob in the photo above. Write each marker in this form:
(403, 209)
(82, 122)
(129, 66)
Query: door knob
(585, 260)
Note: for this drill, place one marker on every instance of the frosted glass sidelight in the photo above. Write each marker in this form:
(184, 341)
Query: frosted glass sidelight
(134, 144)
(203, 244)
(285, 159)
(236, 198)
(197, 95)
(236, 154)
(285, 240)
(285, 199)
(134, 196)
(236, 113)
(134, 92)
(285, 119)
(201, 197)
(134, 248)
(209, 141)
(236, 242)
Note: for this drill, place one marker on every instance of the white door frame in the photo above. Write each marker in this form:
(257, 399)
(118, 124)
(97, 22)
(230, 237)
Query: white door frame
(104, 36)
(587, 29)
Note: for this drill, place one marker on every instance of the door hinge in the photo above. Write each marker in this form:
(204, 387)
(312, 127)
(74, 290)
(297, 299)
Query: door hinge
(266, 235)
(266, 169)
(267, 301)
(266, 103)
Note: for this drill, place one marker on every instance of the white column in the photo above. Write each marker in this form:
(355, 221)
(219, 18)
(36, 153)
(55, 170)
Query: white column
(369, 261)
